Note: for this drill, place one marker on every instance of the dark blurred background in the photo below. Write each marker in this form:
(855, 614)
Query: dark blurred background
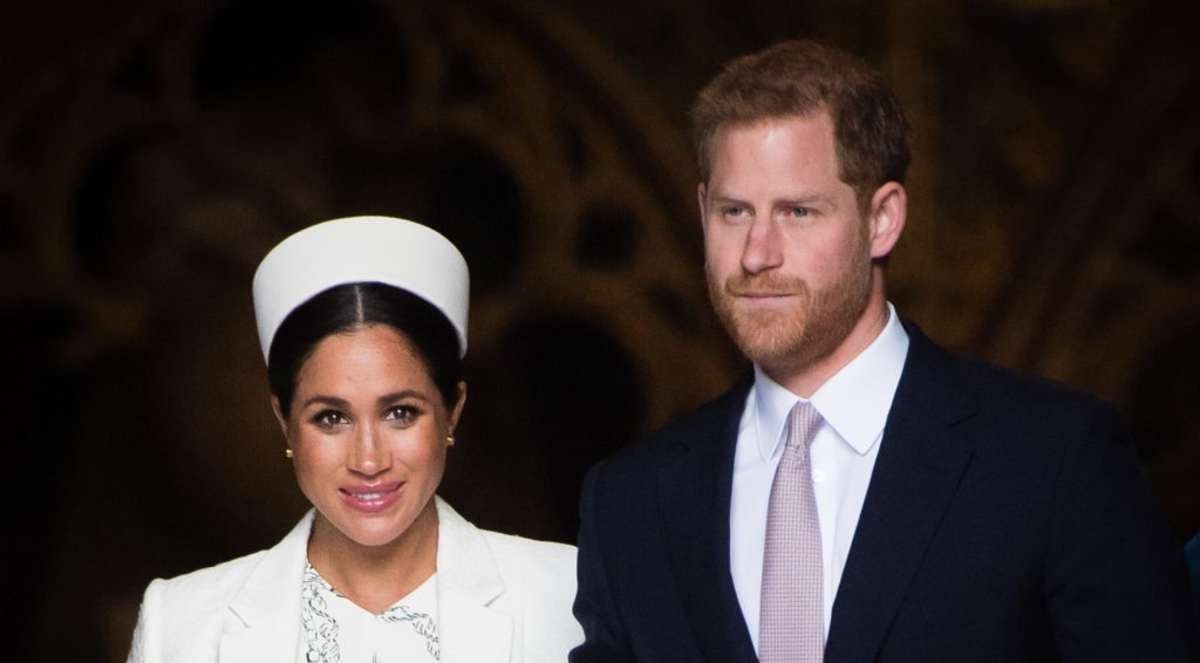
(151, 152)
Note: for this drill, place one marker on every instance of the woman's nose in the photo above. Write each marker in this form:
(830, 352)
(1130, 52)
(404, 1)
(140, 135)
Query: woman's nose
(369, 456)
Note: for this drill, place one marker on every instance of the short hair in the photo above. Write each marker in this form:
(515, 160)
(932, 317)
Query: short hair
(349, 306)
(799, 78)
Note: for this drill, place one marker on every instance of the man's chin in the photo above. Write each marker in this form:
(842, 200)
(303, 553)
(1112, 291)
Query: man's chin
(769, 349)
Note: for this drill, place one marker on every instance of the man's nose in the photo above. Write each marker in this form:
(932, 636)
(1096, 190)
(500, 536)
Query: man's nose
(764, 247)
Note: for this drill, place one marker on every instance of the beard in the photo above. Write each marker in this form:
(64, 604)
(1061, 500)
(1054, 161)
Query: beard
(810, 329)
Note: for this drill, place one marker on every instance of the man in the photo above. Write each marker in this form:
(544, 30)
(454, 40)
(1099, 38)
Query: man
(862, 496)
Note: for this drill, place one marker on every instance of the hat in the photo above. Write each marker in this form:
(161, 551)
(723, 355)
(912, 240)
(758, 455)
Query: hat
(381, 249)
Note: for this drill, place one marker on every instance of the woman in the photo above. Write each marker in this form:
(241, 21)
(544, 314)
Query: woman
(363, 326)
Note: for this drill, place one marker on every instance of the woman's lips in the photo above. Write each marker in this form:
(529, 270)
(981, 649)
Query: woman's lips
(373, 498)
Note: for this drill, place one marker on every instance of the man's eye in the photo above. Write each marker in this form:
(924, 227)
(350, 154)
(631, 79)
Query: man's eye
(734, 211)
(404, 414)
(800, 212)
(328, 418)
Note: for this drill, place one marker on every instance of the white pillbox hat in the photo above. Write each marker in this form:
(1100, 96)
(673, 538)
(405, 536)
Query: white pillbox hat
(396, 252)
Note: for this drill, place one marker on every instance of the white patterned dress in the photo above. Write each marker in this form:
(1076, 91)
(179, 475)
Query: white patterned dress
(335, 630)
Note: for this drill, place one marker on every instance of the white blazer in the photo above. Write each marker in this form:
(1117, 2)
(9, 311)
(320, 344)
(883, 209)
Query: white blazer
(501, 599)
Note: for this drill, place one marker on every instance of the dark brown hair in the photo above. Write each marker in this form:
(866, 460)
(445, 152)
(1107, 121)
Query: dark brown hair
(799, 78)
(345, 307)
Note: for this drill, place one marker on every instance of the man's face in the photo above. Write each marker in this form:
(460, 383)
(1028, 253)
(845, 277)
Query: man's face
(788, 253)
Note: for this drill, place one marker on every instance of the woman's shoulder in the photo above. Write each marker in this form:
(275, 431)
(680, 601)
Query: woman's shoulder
(183, 613)
(521, 562)
(539, 577)
(216, 585)
(541, 572)
(532, 552)
(218, 579)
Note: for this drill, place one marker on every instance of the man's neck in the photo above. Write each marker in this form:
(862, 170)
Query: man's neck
(804, 381)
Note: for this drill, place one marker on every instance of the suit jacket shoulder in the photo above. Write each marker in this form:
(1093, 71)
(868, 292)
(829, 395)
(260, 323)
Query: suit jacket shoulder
(700, 426)
(1003, 389)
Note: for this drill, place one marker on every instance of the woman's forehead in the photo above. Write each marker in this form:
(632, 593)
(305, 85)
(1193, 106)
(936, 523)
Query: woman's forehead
(366, 355)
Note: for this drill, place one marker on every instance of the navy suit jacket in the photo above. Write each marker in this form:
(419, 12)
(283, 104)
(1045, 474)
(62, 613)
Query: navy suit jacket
(1006, 520)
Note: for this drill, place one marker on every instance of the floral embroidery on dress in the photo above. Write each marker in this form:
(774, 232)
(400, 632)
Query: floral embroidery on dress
(321, 630)
(422, 623)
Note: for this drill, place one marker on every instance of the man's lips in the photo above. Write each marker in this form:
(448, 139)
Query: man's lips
(761, 294)
(371, 497)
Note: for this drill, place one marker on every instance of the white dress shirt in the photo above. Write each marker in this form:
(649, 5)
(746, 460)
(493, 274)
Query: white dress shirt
(854, 406)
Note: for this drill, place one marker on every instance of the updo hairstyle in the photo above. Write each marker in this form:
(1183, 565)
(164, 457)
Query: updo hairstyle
(345, 307)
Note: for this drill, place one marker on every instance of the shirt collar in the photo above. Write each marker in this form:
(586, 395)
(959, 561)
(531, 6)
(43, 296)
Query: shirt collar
(854, 402)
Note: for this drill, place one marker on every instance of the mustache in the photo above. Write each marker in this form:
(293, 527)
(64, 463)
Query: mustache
(763, 284)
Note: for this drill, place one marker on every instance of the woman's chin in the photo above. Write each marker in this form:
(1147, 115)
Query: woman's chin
(373, 530)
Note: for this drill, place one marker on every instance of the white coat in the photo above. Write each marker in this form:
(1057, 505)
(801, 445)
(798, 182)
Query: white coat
(501, 599)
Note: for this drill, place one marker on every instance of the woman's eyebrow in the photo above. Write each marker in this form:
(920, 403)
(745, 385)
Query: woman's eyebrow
(333, 401)
(401, 395)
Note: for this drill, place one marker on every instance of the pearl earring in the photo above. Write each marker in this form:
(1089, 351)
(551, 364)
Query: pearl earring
(287, 453)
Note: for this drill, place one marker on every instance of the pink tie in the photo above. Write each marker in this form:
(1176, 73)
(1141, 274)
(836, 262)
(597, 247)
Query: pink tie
(791, 625)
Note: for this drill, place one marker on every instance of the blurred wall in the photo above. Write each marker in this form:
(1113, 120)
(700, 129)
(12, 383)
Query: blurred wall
(150, 154)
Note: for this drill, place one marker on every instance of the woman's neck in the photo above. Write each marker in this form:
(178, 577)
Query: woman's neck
(375, 577)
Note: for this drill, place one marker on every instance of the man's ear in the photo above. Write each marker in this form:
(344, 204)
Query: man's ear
(887, 216)
(702, 201)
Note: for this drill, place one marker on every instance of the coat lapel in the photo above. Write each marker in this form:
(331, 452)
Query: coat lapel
(694, 489)
(920, 463)
(264, 619)
(469, 582)
(263, 623)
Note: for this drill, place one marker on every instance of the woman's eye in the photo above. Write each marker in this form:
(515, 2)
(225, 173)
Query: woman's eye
(328, 418)
(734, 210)
(404, 414)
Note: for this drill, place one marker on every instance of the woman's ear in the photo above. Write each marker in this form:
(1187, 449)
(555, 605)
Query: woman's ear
(282, 420)
(456, 412)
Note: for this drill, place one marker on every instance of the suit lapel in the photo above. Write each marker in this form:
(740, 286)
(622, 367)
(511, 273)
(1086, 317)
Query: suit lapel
(920, 463)
(694, 489)
(470, 630)
(264, 619)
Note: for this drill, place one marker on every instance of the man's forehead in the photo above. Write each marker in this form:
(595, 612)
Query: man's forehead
(791, 147)
(819, 114)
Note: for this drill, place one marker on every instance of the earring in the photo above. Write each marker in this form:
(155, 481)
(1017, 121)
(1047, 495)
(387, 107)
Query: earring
(287, 453)
(450, 440)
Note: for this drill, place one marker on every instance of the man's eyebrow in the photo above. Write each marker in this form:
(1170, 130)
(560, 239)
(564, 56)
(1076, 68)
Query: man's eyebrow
(806, 199)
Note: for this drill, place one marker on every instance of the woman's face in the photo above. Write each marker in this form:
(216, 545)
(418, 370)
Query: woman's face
(368, 431)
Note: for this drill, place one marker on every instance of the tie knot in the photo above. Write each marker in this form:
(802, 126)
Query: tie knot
(803, 422)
